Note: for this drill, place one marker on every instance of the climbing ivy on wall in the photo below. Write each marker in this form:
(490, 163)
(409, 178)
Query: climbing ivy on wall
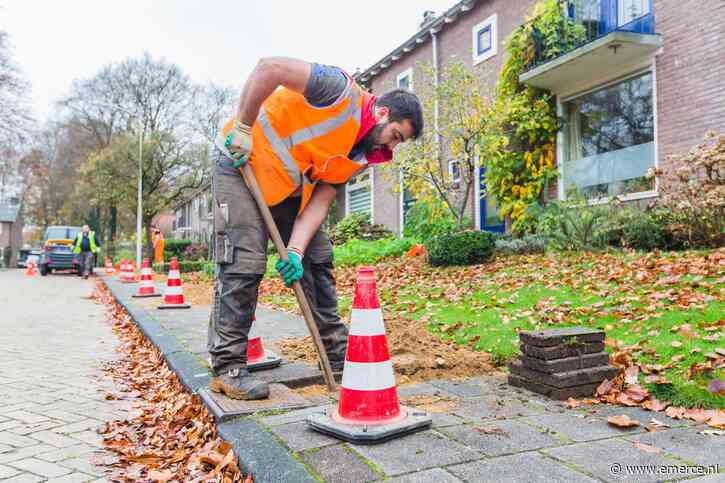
(520, 152)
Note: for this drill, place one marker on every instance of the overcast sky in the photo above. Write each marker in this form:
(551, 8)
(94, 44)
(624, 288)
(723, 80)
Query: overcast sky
(56, 41)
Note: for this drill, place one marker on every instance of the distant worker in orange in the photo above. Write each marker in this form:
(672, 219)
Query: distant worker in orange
(158, 241)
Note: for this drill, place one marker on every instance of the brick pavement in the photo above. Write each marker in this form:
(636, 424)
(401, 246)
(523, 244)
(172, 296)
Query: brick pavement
(54, 340)
(490, 432)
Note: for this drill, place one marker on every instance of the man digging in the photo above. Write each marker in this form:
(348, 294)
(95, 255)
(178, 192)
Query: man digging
(305, 130)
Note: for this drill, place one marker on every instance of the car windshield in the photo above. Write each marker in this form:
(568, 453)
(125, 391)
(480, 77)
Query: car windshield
(61, 233)
(73, 233)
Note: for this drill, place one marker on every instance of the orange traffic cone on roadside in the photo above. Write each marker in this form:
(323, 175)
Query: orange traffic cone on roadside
(174, 293)
(146, 288)
(368, 410)
(31, 269)
(109, 266)
(127, 275)
(257, 357)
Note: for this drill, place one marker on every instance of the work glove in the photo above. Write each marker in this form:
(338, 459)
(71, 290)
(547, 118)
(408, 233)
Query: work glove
(291, 270)
(239, 143)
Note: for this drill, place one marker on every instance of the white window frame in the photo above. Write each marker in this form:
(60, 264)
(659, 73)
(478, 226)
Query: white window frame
(561, 138)
(406, 73)
(451, 163)
(361, 184)
(490, 23)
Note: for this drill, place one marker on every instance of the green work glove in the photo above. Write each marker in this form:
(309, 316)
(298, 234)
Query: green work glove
(238, 141)
(291, 270)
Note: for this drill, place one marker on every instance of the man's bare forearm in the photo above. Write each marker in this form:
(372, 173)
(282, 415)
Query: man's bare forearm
(269, 74)
(307, 224)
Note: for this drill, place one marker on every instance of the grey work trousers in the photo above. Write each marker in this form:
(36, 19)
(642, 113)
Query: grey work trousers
(240, 251)
(86, 263)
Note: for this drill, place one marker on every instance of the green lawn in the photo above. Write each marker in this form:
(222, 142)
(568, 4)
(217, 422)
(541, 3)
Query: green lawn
(666, 311)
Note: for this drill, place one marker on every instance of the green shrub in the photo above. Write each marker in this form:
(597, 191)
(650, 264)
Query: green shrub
(175, 248)
(462, 248)
(632, 228)
(425, 220)
(362, 252)
(357, 226)
(184, 266)
(574, 224)
(521, 246)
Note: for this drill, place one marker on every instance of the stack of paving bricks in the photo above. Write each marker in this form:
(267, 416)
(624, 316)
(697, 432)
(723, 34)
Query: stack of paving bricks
(562, 363)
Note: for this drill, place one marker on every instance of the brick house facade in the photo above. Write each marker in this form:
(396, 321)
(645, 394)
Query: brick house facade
(668, 56)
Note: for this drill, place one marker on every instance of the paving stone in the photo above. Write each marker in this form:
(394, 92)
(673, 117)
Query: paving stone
(420, 389)
(566, 364)
(713, 478)
(26, 429)
(292, 416)
(190, 370)
(40, 467)
(642, 415)
(416, 452)
(299, 436)
(24, 478)
(478, 409)
(269, 460)
(7, 471)
(441, 420)
(559, 394)
(89, 437)
(5, 448)
(561, 351)
(687, 444)
(608, 459)
(83, 465)
(469, 388)
(563, 336)
(79, 426)
(578, 427)
(292, 374)
(26, 452)
(337, 464)
(565, 379)
(10, 425)
(435, 475)
(12, 439)
(67, 452)
(496, 438)
(25, 416)
(529, 467)
(54, 439)
(72, 478)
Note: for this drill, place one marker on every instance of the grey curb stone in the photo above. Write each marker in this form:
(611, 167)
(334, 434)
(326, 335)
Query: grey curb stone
(268, 460)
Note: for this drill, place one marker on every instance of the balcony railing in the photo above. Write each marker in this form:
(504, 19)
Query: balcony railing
(584, 21)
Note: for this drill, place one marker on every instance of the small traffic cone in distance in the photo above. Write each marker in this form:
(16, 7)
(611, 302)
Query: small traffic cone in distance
(109, 266)
(368, 410)
(257, 358)
(174, 293)
(127, 275)
(146, 288)
(31, 269)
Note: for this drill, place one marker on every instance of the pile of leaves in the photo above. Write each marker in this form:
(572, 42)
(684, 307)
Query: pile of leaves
(169, 435)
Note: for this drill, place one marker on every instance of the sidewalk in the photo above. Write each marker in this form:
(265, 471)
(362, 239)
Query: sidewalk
(483, 429)
(53, 343)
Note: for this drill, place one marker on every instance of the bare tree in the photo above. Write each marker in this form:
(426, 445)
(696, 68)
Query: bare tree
(16, 121)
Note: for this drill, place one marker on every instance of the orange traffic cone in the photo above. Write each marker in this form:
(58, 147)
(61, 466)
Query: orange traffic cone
(174, 294)
(146, 288)
(109, 266)
(127, 275)
(257, 357)
(368, 410)
(32, 269)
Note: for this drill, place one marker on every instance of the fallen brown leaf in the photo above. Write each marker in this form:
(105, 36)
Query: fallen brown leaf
(622, 421)
(647, 448)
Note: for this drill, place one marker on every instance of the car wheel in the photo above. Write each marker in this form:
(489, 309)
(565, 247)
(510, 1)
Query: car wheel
(44, 270)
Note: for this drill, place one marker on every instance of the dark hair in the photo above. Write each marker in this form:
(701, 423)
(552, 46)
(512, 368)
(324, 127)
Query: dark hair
(403, 104)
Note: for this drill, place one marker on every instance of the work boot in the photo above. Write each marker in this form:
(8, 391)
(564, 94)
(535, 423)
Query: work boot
(238, 384)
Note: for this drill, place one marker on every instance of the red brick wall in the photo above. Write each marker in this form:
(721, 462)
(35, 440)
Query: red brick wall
(690, 73)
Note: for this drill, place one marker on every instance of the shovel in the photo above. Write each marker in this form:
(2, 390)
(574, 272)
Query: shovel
(253, 186)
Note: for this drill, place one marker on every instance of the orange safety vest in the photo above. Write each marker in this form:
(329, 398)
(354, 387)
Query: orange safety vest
(296, 144)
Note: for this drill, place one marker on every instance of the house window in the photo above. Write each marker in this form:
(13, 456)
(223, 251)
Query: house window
(630, 10)
(405, 79)
(454, 171)
(359, 194)
(609, 139)
(485, 39)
